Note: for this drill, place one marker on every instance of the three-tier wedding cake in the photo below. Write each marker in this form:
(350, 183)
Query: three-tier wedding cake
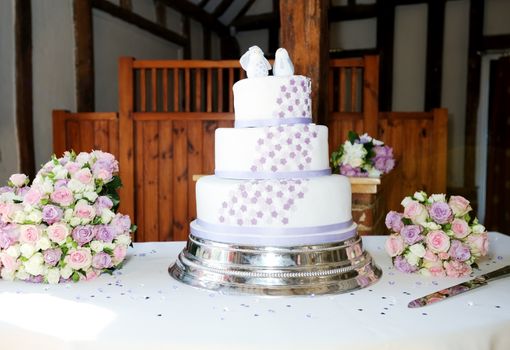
(273, 219)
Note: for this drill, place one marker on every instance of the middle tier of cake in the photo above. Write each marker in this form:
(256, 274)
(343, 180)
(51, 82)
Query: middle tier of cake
(285, 151)
(274, 212)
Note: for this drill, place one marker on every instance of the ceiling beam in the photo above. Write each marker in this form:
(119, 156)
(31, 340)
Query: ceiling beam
(495, 42)
(189, 9)
(222, 7)
(139, 21)
(254, 22)
(243, 11)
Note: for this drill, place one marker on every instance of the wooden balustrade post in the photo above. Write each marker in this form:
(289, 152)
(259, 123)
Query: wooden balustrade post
(126, 136)
(371, 95)
(304, 33)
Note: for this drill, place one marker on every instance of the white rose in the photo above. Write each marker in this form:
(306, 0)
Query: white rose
(405, 202)
(66, 272)
(34, 265)
(478, 228)
(43, 243)
(373, 172)
(13, 251)
(47, 186)
(353, 154)
(419, 196)
(75, 222)
(19, 217)
(82, 158)
(96, 246)
(27, 250)
(60, 172)
(123, 239)
(110, 246)
(18, 180)
(68, 214)
(425, 272)
(437, 198)
(377, 142)
(53, 275)
(75, 186)
(412, 258)
(22, 274)
(90, 196)
(7, 275)
(35, 216)
(8, 197)
(107, 215)
(431, 225)
(418, 250)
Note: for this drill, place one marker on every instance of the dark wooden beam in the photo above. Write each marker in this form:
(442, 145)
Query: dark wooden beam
(243, 11)
(222, 7)
(476, 13)
(187, 8)
(24, 101)
(254, 22)
(84, 55)
(385, 41)
(495, 42)
(160, 13)
(126, 4)
(304, 33)
(139, 21)
(348, 13)
(434, 72)
(203, 3)
(206, 37)
(186, 28)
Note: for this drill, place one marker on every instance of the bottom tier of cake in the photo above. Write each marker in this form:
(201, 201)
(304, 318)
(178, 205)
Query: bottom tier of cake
(298, 270)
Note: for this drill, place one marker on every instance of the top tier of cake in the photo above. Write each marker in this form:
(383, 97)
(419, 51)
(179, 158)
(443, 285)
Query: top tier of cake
(272, 100)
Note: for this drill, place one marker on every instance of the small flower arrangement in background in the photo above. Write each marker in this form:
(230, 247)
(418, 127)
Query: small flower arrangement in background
(65, 225)
(435, 236)
(362, 156)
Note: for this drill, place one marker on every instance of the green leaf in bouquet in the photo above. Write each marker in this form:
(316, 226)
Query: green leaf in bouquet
(115, 183)
(22, 258)
(407, 221)
(64, 249)
(133, 228)
(76, 276)
(447, 227)
(54, 159)
(109, 270)
(108, 251)
(97, 220)
(352, 136)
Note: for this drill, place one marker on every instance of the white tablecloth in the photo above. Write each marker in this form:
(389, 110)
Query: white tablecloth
(141, 307)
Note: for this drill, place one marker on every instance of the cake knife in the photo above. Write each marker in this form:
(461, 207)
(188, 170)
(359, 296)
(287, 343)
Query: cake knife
(460, 288)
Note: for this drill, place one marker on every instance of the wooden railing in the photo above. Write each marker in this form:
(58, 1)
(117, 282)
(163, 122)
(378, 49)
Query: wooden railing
(163, 133)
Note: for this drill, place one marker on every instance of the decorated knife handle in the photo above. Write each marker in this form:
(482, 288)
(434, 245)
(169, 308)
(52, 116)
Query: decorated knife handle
(502, 272)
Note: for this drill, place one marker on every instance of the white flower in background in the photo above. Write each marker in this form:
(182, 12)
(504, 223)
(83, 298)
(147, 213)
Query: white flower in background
(437, 198)
(13, 251)
(420, 196)
(34, 265)
(27, 250)
(83, 158)
(377, 142)
(47, 186)
(22, 274)
(353, 154)
(60, 172)
(43, 243)
(35, 216)
(18, 180)
(365, 138)
(66, 272)
(75, 221)
(7, 275)
(96, 246)
(431, 225)
(478, 228)
(412, 258)
(418, 250)
(405, 202)
(19, 217)
(123, 239)
(53, 275)
(76, 186)
(107, 215)
(68, 214)
(90, 196)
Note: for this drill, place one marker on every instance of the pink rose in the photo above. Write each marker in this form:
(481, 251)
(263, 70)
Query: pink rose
(91, 274)
(72, 167)
(84, 211)
(119, 253)
(394, 245)
(430, 256)
(444, 256)
(10, 264)
(479, 244)
(79, 258)
(416, 212)
(437, 241)
(84, 176)
(58, 232)
(456, 268)
(18, 180)
(32, 197)
(62, 196)
(460, 228)
(460, 205)
(437, 271)
(103, 174)
(29, 234)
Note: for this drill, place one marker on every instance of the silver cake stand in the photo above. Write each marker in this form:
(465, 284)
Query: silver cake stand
(278, 271)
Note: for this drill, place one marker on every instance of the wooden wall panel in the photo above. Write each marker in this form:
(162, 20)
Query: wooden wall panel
(165, 176)
(180, 181)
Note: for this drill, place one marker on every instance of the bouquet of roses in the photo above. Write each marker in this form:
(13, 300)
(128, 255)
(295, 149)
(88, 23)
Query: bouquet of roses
(362, 156)
(435, 236)
(64, 226)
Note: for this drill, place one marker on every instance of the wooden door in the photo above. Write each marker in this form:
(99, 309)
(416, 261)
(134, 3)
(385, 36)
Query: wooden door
(497, 217)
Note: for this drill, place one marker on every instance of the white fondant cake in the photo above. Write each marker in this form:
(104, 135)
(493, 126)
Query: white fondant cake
(272, 100)
(284, 151)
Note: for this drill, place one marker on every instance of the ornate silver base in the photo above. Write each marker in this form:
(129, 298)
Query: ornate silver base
(300, 270)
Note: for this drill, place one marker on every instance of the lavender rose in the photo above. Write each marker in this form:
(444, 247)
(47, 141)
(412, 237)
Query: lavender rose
(459, 251)
(104, 233)
(101, 261)
(440, 212)
(402, 265)
(121, 223)
(348, 170)
(52, 214)
(393, 221)
(411, 234)
(83, 234)
(52, 256)
(9, 234)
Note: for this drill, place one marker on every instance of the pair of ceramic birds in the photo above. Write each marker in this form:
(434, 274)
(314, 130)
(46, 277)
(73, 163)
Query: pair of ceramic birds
(256, 65)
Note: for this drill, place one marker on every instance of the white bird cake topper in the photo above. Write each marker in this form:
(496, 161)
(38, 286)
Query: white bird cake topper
(282, 64)
(254, 63)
